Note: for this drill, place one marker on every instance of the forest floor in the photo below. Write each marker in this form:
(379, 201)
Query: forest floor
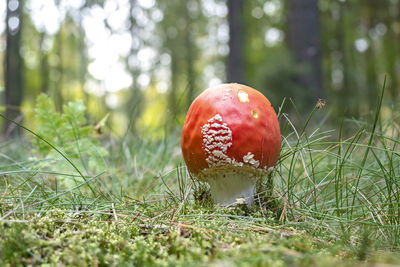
(169, 224)
(334, 203)
(142, 234)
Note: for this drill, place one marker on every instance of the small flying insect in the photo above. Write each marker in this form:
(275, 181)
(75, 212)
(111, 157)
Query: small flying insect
(321, 103)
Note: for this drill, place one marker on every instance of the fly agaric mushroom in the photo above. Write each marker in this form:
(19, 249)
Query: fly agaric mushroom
(230, 139)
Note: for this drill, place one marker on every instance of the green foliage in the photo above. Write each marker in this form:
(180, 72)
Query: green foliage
(335, 201)
(69, 132)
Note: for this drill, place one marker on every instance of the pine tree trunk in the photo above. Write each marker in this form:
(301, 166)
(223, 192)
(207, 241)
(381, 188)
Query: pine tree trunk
(44, 65)
(304, 42)
(392, 52)
(172, 94)
(346, 93)
(190, 55)
(13, 69)
(368, 19)
(235, 68)
(135, 103)
(58, 90)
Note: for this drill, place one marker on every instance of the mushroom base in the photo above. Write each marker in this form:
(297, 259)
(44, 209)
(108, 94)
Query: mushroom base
(232, 185)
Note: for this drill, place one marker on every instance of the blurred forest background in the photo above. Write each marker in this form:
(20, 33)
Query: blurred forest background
(144, 61)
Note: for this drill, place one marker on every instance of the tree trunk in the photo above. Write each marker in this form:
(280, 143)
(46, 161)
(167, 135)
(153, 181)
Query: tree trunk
(190, 54)
(172, 95)
(136, 101)
(304, 41)
(13, 68)
(342, 47)
(392, 52)
(44, 65)
(347, 92)
(235, 68)
(58, 90)
(368, 20)
(83, 66)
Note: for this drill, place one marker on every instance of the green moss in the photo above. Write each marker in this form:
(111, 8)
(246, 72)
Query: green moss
(92, 239)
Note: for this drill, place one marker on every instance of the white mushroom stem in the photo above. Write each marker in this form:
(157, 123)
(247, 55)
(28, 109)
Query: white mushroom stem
(237, 190)
(233, 187)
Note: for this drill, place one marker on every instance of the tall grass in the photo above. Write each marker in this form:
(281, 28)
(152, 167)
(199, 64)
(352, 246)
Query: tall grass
(342, 184)
(348, 187)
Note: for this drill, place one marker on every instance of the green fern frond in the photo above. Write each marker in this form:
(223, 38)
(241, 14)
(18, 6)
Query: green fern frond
(70, 132)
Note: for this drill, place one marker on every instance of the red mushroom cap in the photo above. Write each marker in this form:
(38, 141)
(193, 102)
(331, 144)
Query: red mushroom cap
(230, 125)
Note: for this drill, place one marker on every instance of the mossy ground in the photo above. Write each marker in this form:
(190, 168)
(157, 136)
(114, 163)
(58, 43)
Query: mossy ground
(141, 235)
